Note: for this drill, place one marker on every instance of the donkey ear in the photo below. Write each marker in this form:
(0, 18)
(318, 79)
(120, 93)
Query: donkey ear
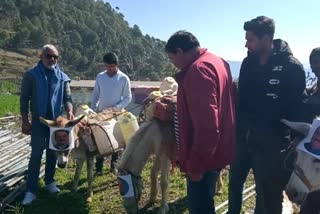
(49, 123)
(75, 121)
(300, 127)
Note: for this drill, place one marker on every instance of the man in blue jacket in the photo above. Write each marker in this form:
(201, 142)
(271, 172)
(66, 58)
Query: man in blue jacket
(45, 90)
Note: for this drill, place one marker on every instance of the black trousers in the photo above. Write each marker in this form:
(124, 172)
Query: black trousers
(265, 154)
(99, 161)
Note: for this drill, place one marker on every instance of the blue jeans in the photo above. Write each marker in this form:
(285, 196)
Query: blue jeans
(200, 193)
(38, 144)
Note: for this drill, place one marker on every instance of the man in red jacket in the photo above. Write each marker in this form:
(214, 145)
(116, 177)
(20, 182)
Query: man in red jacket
(205, 118)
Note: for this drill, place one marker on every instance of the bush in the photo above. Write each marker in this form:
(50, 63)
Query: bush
(8, 86)
(9, 105)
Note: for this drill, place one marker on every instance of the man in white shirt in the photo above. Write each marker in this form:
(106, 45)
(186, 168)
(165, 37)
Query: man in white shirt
(112, 90)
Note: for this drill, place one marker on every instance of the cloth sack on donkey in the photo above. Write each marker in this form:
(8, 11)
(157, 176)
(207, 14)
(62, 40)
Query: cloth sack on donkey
(169, 88)
(164, 108)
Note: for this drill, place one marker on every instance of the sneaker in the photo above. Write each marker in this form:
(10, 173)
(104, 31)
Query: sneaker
(52, 188)
(28, 198)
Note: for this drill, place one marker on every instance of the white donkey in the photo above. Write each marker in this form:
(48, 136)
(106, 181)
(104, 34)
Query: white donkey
(87, 138)
(153, 137)
(306, 174)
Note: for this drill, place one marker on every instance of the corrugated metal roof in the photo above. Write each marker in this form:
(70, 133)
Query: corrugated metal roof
(14, 158)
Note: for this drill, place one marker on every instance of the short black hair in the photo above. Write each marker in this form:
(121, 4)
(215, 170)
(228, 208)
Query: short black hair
(111, 58)
(183, 40)
(314, 53)
(260, 26)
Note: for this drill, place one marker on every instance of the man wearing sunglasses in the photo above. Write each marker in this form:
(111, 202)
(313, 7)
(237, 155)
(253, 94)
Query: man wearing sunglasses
(112, 90)
(44, 90)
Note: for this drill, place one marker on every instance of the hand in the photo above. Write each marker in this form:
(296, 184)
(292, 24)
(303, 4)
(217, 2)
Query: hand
(195, 177)
(70, 115)
(83, 123)
(26, 128)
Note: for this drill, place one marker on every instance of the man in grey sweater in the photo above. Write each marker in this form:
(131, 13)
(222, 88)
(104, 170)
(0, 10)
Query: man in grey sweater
(112, 90)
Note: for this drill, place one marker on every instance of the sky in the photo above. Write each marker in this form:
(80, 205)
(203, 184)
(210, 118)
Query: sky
(218, 24)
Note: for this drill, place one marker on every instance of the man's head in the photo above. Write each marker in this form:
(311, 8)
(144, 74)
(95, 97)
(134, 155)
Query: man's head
(180, 48)
(62, 138)
(111, 61)
(259, 34)
(315, 61)
(49, 56)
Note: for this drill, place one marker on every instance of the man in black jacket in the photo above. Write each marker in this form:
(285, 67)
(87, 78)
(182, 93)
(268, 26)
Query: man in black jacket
(271, 83)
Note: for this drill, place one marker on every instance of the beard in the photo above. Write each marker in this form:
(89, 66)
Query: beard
(51, 67)
(253, 52)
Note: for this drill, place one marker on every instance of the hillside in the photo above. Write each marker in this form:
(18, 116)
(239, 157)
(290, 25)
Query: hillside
(13, 64)
(83, 31)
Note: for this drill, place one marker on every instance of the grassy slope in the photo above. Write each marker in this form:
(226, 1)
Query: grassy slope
(12, 67)
(13, 64)
(9, 105)
(106, 196)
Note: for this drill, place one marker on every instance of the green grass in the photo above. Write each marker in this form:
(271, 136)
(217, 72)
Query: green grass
(9, 105)
(9, 86)
(106, 195)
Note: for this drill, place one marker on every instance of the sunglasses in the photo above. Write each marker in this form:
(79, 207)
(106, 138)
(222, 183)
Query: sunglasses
(50, 56)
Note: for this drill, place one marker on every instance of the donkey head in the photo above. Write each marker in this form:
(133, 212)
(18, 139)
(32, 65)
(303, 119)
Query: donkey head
(305, 177)
(61, 137)
(130, 187)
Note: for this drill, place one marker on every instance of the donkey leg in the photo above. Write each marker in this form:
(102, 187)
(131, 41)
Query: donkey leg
(164, 182)
(154, 178)
(219, 184)
(79, 165)
(90, 178)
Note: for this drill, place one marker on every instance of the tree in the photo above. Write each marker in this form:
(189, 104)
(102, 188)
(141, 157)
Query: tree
(83, 30)
(136, 31)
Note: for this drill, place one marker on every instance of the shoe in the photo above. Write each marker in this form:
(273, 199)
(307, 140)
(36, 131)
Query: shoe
(52, 188)
(28, 198)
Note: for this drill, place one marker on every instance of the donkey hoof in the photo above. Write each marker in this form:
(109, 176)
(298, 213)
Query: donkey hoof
(151, 202)
(89, 199)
